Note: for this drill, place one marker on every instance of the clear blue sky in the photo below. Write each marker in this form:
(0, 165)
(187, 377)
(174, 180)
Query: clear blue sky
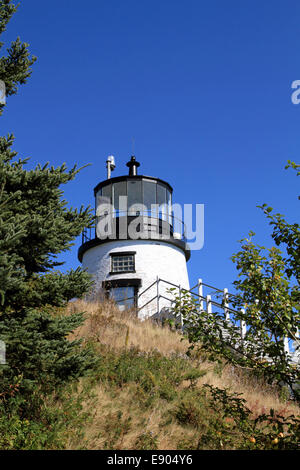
(204, 88)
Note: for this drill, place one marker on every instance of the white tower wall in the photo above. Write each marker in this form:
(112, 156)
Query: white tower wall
(152, 259)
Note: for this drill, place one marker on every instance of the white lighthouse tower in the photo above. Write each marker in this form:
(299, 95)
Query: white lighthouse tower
(137, 250)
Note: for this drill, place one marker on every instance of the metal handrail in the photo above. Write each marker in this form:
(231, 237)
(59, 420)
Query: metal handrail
(136, 213)
(202, 298)
(192, 288)
(212, 287)
(216, 289)
(166, 298)
(168, 282)
(149, 287)
(225, 307)
(155, 297)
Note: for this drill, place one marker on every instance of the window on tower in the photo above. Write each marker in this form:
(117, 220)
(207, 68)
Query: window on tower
(123, 291)
(123, 296)
(123, 262)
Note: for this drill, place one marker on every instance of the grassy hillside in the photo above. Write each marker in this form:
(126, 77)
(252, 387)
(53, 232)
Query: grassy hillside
(147, 393)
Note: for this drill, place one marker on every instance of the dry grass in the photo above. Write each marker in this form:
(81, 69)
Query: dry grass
(259, 396)
(107, 325)
(113, 414)
(118, 421)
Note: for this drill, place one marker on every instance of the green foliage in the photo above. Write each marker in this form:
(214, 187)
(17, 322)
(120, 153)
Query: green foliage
(209, 417)
(60, 420)
(193, 375)
(267, 301)
(216, 418)
(146, 441)
(189, 410)
(40, 356)
(234, 422)
(115, 428)
(15, 67)
(35, 226)
(221, 420)
(155, 375)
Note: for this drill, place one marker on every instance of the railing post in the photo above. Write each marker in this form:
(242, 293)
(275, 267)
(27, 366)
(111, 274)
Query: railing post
(243, 326)
(157, 293)
(200, 293)
(225, 301)
(297, 337)
(184, 231)
(179, 288)
(296, 344)
(208, 304)
(286, 345)
(2, 352)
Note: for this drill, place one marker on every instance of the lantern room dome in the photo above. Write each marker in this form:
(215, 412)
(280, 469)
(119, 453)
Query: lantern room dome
(135, 196)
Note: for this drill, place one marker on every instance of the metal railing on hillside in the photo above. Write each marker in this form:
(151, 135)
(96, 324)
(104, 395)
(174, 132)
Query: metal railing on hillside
(218, 300)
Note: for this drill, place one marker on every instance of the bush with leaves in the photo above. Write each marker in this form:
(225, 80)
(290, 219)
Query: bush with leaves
(267, 300)
(237, 424)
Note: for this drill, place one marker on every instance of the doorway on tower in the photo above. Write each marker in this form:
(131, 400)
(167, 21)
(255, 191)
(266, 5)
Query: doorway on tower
(123, 291)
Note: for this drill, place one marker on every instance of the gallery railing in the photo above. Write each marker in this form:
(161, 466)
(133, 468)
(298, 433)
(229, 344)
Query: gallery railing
(163, 224)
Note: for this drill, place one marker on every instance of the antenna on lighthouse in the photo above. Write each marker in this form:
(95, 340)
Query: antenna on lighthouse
(110, 165)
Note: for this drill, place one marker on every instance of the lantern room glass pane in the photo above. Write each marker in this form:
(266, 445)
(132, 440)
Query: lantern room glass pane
(149, 193)
(103, 201)
(135, 199)
(169, 207)
(106, 192)
(119, 189)
(98, 197)
(162, 201)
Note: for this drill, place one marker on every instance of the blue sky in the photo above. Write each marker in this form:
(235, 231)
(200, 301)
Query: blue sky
(204, 88)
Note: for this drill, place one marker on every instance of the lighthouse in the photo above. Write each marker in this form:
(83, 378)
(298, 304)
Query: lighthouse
(137, 249)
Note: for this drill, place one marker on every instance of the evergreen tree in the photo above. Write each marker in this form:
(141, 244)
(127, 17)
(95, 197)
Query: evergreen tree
(15, 67)
(35, 226)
